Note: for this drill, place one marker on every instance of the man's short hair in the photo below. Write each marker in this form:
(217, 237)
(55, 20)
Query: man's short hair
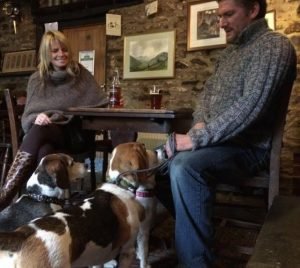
(248, 4)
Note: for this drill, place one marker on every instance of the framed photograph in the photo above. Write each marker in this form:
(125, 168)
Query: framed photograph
(19, 61)
(270, 17)
(149, 55)
(203, 28)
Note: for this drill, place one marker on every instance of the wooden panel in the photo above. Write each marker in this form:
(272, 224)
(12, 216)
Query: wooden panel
(90, 38)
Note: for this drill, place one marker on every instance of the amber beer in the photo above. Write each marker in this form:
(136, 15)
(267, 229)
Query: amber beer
(115, 97)
(115, 91)
(156, 98)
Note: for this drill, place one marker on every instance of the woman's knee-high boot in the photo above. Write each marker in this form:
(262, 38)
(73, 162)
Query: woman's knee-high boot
(17, 175)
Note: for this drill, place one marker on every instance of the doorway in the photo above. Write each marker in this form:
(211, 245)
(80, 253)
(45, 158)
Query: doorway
(90, 38)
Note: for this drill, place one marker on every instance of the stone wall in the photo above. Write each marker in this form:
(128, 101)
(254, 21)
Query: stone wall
(191, 68)
(23, 40)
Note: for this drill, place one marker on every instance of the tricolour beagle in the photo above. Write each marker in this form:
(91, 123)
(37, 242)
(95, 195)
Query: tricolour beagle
(98, 229)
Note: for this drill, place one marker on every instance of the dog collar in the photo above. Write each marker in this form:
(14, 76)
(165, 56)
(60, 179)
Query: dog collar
(147, 193)
(46, 199)
(123, 183)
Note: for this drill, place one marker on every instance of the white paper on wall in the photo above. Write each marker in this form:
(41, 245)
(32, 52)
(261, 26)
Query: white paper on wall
(51, 26)
(87, 59)
(113, 24)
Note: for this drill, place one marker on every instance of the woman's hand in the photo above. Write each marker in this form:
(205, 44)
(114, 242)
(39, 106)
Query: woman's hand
(42, 119)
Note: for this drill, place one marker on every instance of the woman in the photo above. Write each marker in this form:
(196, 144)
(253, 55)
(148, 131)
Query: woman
(59, 83)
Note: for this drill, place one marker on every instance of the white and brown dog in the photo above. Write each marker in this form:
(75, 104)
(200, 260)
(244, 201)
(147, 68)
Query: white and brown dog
(130, 160)
(46, 191)
(95, 231)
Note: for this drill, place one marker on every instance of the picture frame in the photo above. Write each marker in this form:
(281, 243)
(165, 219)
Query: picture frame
(113, 24)
(150, 55)
(271, 19)
(203, 28)
(19, 61)
(87, 59)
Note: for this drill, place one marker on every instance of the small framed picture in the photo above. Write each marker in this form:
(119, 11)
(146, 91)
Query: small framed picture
(203, 27)
(113, 24)
(149, 55)
(19, 61)
(87, 59)
(271, 19)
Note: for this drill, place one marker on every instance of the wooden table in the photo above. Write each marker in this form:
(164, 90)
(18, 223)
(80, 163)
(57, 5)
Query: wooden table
(139, 120)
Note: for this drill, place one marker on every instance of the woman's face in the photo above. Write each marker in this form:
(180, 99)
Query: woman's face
(59, 55)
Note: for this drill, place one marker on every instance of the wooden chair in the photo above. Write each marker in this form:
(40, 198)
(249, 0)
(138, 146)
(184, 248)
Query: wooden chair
(10, 148)
(14, 121)
(104, 146)
(245, 204)
(5, 154)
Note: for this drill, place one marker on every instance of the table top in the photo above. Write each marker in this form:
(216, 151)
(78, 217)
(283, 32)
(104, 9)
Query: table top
(124, 112)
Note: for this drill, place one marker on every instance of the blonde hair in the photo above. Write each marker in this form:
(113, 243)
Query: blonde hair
(45, 65)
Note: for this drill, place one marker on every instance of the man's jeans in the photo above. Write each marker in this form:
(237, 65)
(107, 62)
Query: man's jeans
(193, 176)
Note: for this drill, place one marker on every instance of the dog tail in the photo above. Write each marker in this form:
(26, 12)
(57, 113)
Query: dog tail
(13, 241)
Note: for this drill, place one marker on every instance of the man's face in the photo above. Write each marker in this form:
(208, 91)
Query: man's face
(234, 18)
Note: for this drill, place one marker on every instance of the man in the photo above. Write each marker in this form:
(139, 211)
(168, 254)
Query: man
(231, 135)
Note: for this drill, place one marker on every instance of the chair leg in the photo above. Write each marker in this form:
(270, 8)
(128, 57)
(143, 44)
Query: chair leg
(104, 165)
(93, 173)
(4, 165)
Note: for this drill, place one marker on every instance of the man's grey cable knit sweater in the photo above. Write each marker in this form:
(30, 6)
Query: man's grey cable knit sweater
(239, 99)
(62, 91)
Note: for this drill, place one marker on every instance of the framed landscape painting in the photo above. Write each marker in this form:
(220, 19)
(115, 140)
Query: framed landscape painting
(149, 55)
(203, 28)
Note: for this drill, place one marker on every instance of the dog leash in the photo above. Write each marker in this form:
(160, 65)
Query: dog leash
(150, 171)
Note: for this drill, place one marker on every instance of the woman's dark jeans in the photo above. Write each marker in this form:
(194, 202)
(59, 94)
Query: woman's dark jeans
(43, 140)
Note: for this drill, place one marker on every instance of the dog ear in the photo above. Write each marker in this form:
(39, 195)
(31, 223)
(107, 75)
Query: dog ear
(52, 171)
(137, 159)
(69, 160)
(57, 170)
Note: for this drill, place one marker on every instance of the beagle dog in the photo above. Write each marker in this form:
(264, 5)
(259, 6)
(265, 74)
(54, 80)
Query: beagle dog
(129, 157)
(96, 230)
(46, 191)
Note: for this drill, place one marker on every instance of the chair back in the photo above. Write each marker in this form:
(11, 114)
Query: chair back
(14, 123)
(268, 181)
(274, 168)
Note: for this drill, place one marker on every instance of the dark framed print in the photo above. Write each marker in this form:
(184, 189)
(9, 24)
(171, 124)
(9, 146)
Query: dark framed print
(203, 28)
(19, 61)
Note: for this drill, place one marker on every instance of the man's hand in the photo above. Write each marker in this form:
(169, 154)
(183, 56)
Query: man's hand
(42, 119)
(183, 142)
(199, 125)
